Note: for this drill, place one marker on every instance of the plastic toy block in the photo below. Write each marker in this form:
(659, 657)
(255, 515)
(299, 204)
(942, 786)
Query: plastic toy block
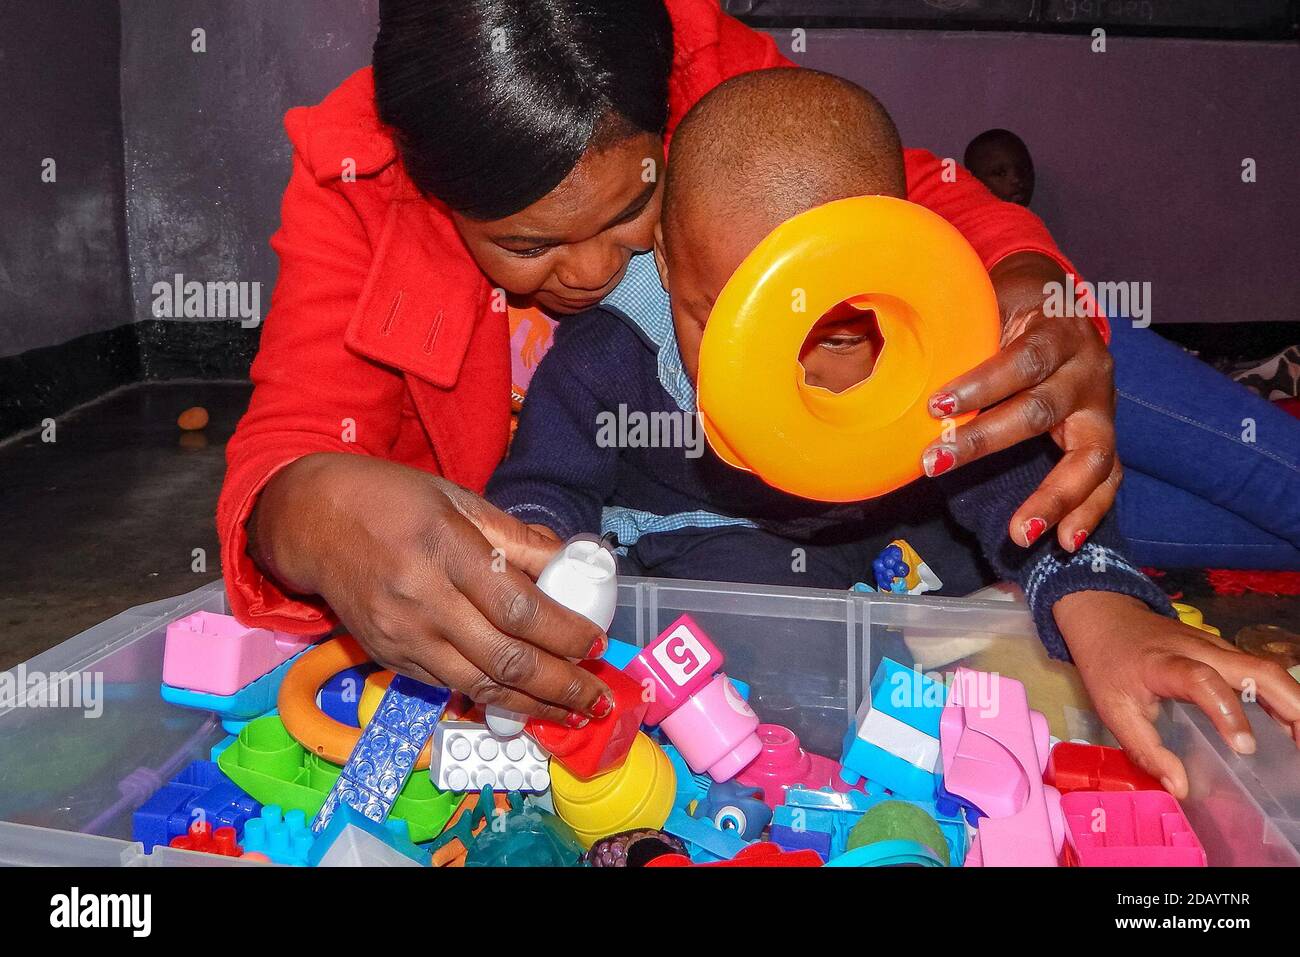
(339, 696)
(199, 794)
(1091, 767)
(385, 754)
(234, 710)
(894, 739)
(280, 835)
(783, 763)
(619, 653)
(603, 743)
(1129, 829)
(353, 840)
(817, 819)
(706, 842)
(994, 752)
(467, 756)
(678, 663)
(270, 765)
(201, 837)
(215, 653)
(714, 729)
(755, 855)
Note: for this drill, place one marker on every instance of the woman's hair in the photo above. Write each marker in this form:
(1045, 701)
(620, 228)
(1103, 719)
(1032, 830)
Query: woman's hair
(493, 102)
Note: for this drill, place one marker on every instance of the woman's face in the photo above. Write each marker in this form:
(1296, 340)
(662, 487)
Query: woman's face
(569, 249)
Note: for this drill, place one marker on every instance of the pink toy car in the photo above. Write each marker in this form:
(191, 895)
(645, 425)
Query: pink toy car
(216, 654)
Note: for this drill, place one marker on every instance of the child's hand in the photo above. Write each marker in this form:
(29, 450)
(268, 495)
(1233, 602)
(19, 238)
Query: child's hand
(1130, 658)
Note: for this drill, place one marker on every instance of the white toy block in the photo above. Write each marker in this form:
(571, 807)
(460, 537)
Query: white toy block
(469, 757)
(900, 739)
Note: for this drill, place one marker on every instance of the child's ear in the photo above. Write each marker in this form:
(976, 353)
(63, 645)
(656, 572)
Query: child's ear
(661, 261)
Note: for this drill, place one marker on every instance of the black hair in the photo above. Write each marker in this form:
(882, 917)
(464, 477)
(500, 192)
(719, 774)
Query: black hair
(493, 102)
(995, 137)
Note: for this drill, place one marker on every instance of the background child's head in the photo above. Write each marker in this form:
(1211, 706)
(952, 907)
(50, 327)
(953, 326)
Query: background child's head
(755, 151)
(1000, 160)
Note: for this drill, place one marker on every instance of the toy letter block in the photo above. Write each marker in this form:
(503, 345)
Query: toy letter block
(674, 666)
(714, 730)
(216, 654)
(603, 743)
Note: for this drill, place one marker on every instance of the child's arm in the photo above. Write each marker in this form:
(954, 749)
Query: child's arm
(1130, 658)
(559, 474)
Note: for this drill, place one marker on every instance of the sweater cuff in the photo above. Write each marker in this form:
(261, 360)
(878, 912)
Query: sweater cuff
(1093, 568)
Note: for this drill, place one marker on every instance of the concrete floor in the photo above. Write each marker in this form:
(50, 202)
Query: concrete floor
(108, 516)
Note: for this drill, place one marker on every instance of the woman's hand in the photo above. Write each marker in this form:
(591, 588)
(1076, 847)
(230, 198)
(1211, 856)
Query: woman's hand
(1130, 658)
(1054, 375)
(431, 580)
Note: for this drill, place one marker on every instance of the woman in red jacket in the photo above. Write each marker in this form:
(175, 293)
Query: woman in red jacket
(507, 152)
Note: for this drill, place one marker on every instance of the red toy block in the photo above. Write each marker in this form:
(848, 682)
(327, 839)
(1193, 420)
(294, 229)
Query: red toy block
(202, 838)
(763, 854)
(603, 743)
(1091, 767)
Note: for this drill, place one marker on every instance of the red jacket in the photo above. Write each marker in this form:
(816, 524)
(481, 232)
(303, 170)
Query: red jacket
(380, 340)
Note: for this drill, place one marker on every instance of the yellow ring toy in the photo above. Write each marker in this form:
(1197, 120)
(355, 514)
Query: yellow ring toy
(937, 314)
(310, 726)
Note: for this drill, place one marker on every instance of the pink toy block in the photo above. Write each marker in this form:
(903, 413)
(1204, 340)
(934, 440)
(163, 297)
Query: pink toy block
(714, 730)
(994, 750)
(674, 666)
(1129, 829)
(783, 763)
(216, 654)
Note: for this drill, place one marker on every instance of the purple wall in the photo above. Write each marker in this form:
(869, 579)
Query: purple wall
(1138, 149)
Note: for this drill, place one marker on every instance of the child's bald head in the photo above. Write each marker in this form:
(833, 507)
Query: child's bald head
(755, 151)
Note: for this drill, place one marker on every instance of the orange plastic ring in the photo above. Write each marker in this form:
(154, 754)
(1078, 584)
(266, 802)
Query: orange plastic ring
(937, 314)
(312, 728)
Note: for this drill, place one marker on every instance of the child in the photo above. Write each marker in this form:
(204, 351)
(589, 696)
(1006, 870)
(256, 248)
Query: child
(608, 435)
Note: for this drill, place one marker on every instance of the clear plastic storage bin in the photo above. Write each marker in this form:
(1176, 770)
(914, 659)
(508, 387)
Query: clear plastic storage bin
(69, 781)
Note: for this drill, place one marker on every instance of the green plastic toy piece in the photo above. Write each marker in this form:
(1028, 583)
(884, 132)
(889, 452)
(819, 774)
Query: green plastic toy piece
(898, 821)
(271, 766)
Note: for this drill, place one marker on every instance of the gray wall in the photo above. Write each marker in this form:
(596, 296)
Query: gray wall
(1138, 149)
(206, 154)
(62, 247)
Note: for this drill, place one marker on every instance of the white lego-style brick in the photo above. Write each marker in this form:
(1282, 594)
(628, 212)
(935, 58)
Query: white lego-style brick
(469, 757)
(900, 739)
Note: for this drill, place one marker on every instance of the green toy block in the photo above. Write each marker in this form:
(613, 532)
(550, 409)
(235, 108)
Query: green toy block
(271, 766)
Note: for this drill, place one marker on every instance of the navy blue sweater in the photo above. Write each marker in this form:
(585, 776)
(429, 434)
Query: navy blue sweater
(572, 469)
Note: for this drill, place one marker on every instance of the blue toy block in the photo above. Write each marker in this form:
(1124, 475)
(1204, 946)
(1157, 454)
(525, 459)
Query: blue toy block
(351, 839)
(705, 842)
(813, 830)
(908, 695)
(284, 838)
(340, 695)
(862, 759)
(619, 653)
(235, 710)
(386, 752)
(200, 792)
(894, 738)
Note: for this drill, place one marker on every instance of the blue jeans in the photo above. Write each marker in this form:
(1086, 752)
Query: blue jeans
(1211, 470)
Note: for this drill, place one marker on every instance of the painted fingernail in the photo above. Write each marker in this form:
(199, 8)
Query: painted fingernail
(1167, 784)
(575, 721)
(1033, 529)
(1080, 537)
(944, 403)
(1243, 743)
(598, 647)
(603, 706)
(938, 460)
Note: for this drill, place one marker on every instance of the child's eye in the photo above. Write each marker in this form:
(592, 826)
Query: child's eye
(529, 253)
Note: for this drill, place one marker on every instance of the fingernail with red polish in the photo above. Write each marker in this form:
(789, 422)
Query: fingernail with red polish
(1080, 537)
(575, 721)
(938, 460)
(598, 647)
(945, 403)
(1033, 529)
(603, 706)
